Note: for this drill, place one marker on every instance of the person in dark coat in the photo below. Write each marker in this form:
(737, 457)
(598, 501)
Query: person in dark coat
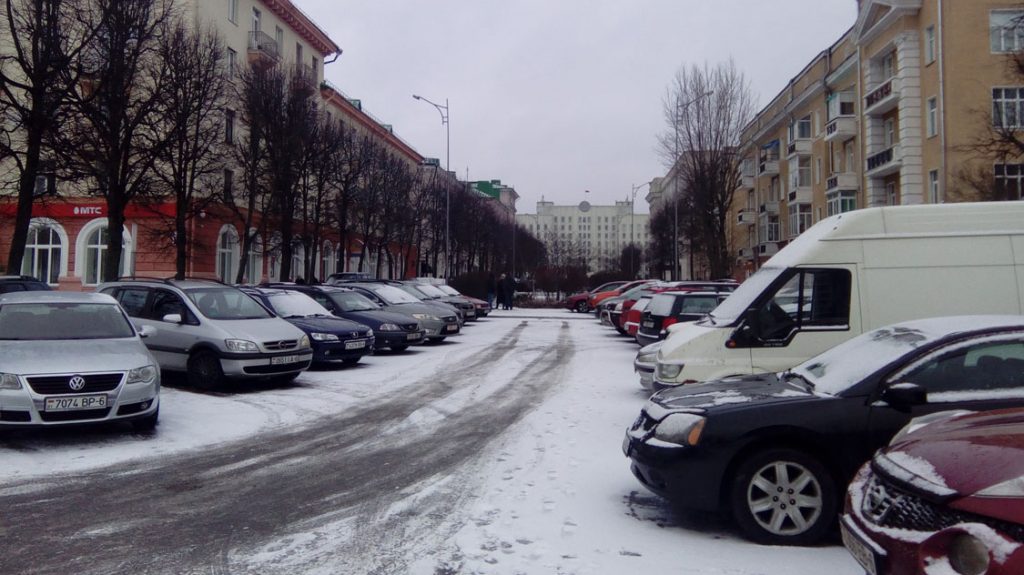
(509, 291)
(499, 290)
(492, 289)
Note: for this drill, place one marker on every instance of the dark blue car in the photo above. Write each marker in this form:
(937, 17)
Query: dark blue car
(332, 338)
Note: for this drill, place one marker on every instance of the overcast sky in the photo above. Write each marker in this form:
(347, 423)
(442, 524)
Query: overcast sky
(555, 97)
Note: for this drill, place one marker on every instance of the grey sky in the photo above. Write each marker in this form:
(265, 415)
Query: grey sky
(556, 97)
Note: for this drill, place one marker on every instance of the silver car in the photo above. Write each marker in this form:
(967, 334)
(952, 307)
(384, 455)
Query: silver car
(69, 358)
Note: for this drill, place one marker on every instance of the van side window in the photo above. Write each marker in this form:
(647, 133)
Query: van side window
(167, 303)
(133, 300)
(809, 299)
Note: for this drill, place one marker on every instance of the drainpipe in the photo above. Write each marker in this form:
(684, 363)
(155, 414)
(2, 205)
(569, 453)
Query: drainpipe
(939, 42)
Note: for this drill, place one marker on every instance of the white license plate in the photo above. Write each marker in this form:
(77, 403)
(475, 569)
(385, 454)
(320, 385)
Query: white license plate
(355, 344)
(412, 336)
(451, 327)
(76, 403)
(648, 324)
(861, 552)
(284, 359)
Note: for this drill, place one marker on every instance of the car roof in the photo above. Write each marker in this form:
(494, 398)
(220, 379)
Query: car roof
(56, 297)
(937, 328)
(185, 284)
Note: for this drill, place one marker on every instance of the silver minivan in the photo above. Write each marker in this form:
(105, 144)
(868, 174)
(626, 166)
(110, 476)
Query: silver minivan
(212, 331)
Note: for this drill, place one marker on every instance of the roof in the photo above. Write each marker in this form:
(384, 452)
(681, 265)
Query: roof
(56, 297)
(304, 25)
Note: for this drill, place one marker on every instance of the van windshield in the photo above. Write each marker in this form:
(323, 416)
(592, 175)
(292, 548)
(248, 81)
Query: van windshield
(743, 298)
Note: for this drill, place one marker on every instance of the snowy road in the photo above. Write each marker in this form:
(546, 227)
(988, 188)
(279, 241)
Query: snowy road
(495, 453)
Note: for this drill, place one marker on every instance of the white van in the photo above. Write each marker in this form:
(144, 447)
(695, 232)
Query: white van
(852, 273)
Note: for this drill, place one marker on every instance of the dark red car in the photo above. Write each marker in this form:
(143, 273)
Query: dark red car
(580, 302)
(946, 497)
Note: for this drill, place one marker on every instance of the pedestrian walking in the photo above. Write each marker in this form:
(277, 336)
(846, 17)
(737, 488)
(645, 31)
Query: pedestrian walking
(509, 290)
(492, 289)
(500, 291)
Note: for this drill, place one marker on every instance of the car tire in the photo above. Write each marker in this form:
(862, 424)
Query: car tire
(399, 348)
(784, 497)
(204, 371)
(147, 423)
(582, 307)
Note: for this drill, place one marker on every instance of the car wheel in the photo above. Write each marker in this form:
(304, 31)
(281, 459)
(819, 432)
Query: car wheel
(399, 347)
(204, 370)
(582, 307)
(147, 423)
(784, 497)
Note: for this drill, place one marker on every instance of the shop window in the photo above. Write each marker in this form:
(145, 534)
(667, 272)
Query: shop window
(45, 253)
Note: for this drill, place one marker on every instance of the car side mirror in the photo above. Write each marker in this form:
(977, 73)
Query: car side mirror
(903, 396)
(172, 318)
(145, 330)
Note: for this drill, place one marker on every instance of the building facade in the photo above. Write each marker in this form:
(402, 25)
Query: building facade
(890, 114)
(592, 235)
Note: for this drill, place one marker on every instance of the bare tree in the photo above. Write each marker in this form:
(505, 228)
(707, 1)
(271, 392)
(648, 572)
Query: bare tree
(37, 76)
(191, 165)
(706, 108)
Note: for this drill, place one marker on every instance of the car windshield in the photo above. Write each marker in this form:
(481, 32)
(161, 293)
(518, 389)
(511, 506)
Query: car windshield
(448, 290)
(845, 365)
(414, 291)
(352, 301)
(740, 300)
(226, 303)
(661, 304)
(393, 295)
(292, 304)
(61, 321)
(431, 291)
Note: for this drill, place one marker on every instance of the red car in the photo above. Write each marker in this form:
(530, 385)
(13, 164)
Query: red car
(946, 497)
(580, 302)
(599, 296)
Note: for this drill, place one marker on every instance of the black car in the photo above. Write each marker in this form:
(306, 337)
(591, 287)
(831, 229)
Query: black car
(391, 330)
(332, 338)
(779, 449)
(10, 284)
(668, 308)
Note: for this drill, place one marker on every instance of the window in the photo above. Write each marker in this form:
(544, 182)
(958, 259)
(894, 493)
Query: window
(929, 44)
(841, 104)
(1008, 107)
(257, 20)
(327, 266)
(233, 11)
(1006, 34)
(167, 303)
(890, 132)
(841, 202)
(808, 299)
(229, 186)
(227, 253)
(768, 228)
(229, 126)
(888, 65)
(232, 62)
(298, 259)
(799, 172)
(133, 300)
(96, 250)
(1010, 181)
(298, 54)
(990, 364)
(279, 36)
(800, 129)
(933, 117)
(44, 253)
(799, 219)
(934, 193)
(890, 194)
(254, 268)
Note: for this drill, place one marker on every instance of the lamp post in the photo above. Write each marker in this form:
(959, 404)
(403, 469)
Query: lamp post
(443, 110)
(680, 107)
(632, 230)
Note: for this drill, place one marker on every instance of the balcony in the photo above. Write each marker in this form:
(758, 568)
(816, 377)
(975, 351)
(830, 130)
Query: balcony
(746, 218)
(263, 50)
(884, 163)
(746, 254)
(842, 181)
(841, 129)
(768, 168)
(304, 79)
(746, 180)
(798, 148)
(883, 99)
(800, 195)
(768, 249)
(769, 208)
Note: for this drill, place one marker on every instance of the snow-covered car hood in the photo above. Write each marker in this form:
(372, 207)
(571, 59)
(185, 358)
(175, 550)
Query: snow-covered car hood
(336, 325)
(681, 334)
(374, 318)
(259, 330)
(729, 393)
(72, 356)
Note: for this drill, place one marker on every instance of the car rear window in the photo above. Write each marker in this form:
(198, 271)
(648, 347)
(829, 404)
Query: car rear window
(661, 305)
(62, 321)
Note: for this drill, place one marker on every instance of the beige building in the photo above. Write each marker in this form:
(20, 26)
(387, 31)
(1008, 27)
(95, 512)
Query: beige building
(887, 115)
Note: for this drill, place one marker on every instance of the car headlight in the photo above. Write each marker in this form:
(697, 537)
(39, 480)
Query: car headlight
(389, 327)
(144, 374)
(304, 341)
(323, 336)
(680, 428)
(240, 345)
(669, 371)
(968, 555)
(9, 381)
(426, 316)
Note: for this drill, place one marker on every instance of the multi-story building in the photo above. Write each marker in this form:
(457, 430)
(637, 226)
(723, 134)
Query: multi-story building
(501, 198)
(594, 235)
(890, 114)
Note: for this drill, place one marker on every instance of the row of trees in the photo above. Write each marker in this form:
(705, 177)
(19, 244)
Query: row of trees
(129, 102)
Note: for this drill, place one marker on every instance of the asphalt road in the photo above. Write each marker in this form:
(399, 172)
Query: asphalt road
(333, 496)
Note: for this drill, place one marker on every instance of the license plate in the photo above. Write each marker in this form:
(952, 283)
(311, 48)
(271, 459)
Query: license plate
(355, 344)
(451, 327)
(412, 336)
(648, 324)
(861, 552)
(284, 359)
(76, 403)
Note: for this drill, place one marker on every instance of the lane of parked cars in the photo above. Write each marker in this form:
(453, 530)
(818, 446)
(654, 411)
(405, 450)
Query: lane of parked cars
(96, 358)
(862, 382)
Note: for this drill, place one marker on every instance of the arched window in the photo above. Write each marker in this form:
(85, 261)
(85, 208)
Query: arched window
(328, 260)
(298, 259)
(46, 253)
(92, 249)
(227, 253)
(254, 270)
(274, 257)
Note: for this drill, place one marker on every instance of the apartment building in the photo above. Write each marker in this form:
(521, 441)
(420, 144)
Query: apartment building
(592, 234)
(887, 115)
(501, 198)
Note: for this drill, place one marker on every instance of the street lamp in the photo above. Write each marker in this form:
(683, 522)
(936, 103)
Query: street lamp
(680, 107)
(443, 110)
(632, 231)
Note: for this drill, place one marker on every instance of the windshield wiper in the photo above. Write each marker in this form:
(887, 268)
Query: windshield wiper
(295, 316)
(790, 375)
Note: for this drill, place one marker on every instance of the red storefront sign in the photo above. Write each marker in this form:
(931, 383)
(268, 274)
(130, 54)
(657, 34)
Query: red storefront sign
(91, 210)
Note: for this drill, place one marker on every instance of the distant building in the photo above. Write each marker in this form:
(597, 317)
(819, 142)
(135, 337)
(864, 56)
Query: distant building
(504, 197)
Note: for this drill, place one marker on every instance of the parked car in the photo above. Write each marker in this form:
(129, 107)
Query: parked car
(672, 307)
(631, 318)
(482, 307)
(393, 330)
(332, 338)
(212, 332)
(579, 302)
(440, 307)
(778, 449)
(600, 296)
(428, 292)
(438, 319)
(946, 496)
(68, 358)
(348, 276)
(10, 284)
(624, 302)
(643, 364)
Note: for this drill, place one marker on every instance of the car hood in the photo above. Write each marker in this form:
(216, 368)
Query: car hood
(680, 335)
(374, 318)
(440, 310)
(966, 453)
(72, 356)
(334, 325)
(259, 330)
(730, 393)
